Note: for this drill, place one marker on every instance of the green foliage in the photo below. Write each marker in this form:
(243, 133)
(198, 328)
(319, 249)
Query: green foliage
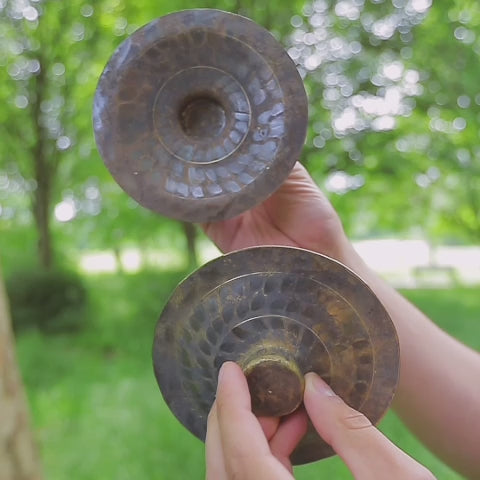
(421, 149)
(391, 118)
(97, 409)
(52, 301)
(53, 53)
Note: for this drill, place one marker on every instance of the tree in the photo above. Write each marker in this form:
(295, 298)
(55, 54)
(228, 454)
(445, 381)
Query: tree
(54, 52)
(18, 454)
(390, 117)
(43, 60)
(382, 119)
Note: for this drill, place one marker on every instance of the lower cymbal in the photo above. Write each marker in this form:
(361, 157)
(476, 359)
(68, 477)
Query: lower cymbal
(279, 312)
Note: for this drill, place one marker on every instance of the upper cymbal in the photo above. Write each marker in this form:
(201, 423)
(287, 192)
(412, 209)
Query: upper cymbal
(200, 115)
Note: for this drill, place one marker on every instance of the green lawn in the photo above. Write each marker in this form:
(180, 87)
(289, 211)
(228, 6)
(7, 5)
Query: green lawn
(97, 410)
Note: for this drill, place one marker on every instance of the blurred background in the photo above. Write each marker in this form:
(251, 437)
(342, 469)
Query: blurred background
(393, 140)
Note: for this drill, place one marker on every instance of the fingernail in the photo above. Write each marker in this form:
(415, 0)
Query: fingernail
(221, 372)
(314, 382)
(219, 379)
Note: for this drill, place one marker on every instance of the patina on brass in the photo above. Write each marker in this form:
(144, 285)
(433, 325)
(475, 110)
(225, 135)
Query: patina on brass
(200, 115)
(278, 312)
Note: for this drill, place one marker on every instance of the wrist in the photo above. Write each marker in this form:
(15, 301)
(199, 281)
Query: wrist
(348, 256)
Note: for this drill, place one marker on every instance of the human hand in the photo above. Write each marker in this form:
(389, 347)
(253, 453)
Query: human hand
(296, 215)
(240, 446)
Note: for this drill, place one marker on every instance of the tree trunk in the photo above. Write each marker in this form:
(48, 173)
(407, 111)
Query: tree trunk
(44, 170)
(191, 237)
(42, 221)
(117, 253)
(18, 455)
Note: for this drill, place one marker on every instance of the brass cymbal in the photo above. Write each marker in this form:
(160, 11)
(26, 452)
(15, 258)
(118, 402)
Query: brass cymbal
(279, 312)
(200, 115)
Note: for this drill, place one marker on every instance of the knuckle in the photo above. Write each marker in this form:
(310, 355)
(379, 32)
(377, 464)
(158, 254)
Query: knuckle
(353, 420)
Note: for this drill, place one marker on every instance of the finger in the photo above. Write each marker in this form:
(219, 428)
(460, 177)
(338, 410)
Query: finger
(215, 465)
(300, 181)
(269, 426)
(365, 450)
(223, 232)
(246, 451)
(241, 433)
(289, 433)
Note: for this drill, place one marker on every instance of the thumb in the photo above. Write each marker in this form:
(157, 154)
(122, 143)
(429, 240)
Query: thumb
(365, 450)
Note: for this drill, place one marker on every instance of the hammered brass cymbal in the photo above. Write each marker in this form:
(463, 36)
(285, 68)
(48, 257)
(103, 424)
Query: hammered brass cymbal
(200, 115)
(279, 312)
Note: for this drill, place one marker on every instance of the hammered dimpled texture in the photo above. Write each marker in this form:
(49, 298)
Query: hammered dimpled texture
(254, 104)
(263, 300)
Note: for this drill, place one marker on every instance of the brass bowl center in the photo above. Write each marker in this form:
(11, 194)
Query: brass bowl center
(202, 117)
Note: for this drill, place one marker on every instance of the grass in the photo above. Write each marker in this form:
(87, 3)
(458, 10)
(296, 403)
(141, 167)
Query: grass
(97, 410)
